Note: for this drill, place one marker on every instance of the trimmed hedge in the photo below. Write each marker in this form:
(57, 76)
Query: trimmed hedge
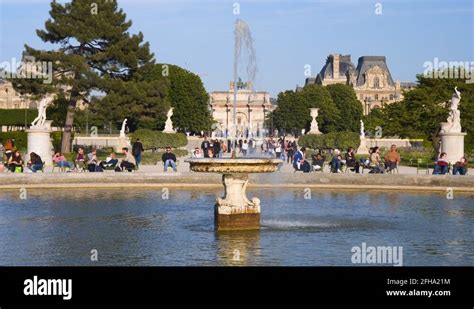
(16, 117)
(155, 139)
(341, 140)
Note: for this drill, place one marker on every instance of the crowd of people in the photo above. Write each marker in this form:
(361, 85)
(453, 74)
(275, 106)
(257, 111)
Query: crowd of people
(281, 148)
(373, 163)
(12, 160)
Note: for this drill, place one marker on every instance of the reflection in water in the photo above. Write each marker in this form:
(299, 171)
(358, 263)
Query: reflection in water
(140, 227)
(237, 248)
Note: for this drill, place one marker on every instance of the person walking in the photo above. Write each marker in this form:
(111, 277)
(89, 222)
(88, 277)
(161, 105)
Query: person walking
(137, 149)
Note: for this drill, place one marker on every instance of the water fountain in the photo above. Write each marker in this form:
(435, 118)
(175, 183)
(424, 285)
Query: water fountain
(234, 211)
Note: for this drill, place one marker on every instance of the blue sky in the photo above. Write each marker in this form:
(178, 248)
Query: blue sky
(198, 34)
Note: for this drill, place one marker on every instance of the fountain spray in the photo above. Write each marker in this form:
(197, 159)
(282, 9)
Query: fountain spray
(242, 38)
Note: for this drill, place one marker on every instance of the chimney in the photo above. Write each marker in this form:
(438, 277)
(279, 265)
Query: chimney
(335, 65)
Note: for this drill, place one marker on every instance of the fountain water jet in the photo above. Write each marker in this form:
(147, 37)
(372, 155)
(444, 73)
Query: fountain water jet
(234, 211)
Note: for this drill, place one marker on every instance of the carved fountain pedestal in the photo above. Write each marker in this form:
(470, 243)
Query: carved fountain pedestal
(234, 211)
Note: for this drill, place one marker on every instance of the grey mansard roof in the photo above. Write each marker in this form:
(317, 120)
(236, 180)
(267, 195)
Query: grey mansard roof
(345, 65)
(367, 62)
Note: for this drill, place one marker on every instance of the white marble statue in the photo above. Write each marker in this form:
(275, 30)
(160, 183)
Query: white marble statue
(362, 129)
(453, 123)
(122, 130)
(169, 123)
(43, 105)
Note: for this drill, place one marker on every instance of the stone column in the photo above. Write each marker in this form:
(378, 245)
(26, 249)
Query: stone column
(234, 211)
(39, 142)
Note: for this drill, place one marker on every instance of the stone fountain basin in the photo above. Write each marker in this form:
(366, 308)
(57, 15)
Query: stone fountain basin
(233, 166)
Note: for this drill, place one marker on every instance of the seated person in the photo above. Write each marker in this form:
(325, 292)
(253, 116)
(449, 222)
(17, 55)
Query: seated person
(210, 153)
(93, 162)
(9, 147)
(2, 150)
(375, 161)
(460, 167)
(128, 162)
(336, 162)
(392, 158)
(110, 161)
(80, 158)
(35, 164)
(197, 153)
(169, 159)
(318, 162)
(60, 160)
(442, 165)
(15, 162)
(299, 161)
(351, 161)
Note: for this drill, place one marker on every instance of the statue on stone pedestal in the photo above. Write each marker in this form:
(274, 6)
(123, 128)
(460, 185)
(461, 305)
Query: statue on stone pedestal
(314, 123)
(122, 130)
(452, 139)
(43, 105)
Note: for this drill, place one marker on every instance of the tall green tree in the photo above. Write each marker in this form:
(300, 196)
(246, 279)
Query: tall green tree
(92, 50)
(187, 95)
(349, 107)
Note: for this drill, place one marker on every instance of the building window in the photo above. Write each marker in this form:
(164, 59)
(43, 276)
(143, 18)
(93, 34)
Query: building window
(376, 97)
(376, 82)
(391, 97)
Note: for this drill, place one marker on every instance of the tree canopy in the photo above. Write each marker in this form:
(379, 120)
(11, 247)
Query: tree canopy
(92, 50)
(293, 111)
(349, 107)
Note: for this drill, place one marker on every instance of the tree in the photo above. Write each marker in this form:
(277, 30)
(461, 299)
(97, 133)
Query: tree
(293, 111)
(187, 95)
(348, 105)
(93, 51)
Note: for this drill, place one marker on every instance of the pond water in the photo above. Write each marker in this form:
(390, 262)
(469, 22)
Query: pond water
(139, 227)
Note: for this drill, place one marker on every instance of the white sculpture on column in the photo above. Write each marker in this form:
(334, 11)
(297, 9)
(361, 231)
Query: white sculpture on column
(123, 140)
(452, 138)
(122, 130)
(362, 129)
(363, 149)
(314, 123)
(169, 123)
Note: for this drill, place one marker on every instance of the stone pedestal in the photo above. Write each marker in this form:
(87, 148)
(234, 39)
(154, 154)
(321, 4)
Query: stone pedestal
(123, 142)
(363, 148)
(453, 144)
(234, 211)
(39, 142)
